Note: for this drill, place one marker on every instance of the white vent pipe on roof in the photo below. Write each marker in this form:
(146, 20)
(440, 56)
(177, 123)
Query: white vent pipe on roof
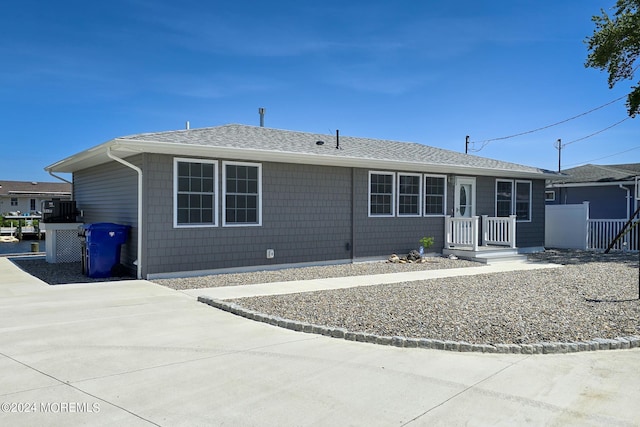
(261, 111)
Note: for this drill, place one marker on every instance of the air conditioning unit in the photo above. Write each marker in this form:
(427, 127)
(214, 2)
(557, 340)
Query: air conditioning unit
(56, 211)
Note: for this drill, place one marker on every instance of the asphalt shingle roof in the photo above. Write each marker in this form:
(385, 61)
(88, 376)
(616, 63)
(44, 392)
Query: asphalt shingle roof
(28, 187)
(601, 173)
(285, 141)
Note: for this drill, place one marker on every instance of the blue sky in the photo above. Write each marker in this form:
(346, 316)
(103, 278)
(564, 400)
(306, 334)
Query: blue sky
(76, 73)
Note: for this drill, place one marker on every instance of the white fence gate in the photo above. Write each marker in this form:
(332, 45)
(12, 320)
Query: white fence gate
(566, 226)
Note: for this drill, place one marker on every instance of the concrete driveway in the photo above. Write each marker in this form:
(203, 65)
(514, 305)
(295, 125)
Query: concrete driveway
(135, 353)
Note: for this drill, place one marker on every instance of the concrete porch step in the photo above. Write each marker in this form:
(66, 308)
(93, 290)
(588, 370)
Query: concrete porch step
(487, 254)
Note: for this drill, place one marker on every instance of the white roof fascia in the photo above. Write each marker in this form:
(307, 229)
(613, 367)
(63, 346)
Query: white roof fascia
(66, 165)
(591, 184)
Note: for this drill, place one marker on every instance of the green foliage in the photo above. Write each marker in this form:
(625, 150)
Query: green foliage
(615, 46)
(426, 242)
(17, 222)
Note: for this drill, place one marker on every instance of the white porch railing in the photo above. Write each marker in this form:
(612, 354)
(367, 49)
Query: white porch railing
(600, 233)
(463, 232)
(499, 231)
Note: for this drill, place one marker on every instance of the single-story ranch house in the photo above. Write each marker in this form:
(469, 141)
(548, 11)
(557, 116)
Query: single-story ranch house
(245, 197)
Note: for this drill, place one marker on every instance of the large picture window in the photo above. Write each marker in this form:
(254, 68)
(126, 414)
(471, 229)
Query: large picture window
(195, 200)
(513, 198)
(242, 193)
(381, 200)
(409, 190)
(435, 194)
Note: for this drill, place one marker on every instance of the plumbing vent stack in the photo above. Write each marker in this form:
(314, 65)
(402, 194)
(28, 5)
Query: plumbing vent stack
(261, 112)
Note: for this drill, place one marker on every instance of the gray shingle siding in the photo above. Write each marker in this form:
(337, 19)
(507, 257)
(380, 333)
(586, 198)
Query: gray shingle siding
(378, 236)
(531, 234)
(606, 202)
(108, 193)
(307, 216)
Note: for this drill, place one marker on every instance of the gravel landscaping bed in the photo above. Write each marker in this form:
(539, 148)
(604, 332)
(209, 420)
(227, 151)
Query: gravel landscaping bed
(593, 296)
(307, 273)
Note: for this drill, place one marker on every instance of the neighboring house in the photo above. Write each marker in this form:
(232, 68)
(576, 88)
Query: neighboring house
(609, 189)
(25, 197)
(236, 196)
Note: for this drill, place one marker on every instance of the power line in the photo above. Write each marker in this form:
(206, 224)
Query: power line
(487, 141)
(596, 133)
(605, 157)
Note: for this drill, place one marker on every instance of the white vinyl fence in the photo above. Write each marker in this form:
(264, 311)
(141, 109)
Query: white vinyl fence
(566, 226)
(569, 227)
(600, 233)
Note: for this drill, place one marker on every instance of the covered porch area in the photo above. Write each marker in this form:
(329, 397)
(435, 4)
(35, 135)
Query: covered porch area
(484, 239)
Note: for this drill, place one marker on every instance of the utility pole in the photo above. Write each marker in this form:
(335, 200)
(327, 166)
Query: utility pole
(558, 145)
(466, 145)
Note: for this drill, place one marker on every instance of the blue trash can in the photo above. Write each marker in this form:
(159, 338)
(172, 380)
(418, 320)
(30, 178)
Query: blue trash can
(103, 241)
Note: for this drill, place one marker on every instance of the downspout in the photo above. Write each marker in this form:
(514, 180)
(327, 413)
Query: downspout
(627, 199)
(353, 214)
(139, 171)
(59, 177)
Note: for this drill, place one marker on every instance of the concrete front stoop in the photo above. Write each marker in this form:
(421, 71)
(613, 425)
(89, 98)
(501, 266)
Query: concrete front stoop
(487, 254)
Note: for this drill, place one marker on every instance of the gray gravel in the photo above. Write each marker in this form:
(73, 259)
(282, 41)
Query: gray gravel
(307, 273)
(593, 296)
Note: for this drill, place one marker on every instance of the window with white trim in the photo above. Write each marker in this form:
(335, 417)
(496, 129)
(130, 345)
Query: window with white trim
(242, 193)
(513, 198)
(14, 201)
(409, 194)
(195, 200)
(435, 194)
(381, 191)
(550, 196)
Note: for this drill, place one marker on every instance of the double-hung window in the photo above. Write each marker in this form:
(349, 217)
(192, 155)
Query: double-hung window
(381, 193)
(195, 199)
(513, 198)
(409, 194)
(242, 194)
(435, 194)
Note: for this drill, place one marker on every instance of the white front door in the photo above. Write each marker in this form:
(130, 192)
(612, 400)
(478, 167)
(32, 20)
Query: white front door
(465, 197)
